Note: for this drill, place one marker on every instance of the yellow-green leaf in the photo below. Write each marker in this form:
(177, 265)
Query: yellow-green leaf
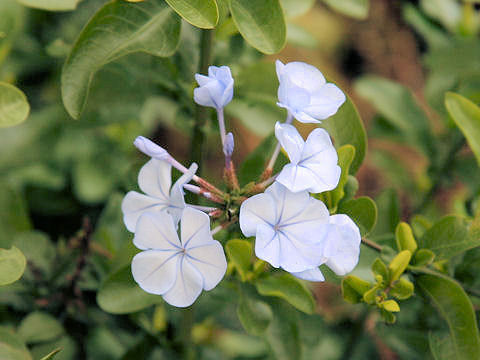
(398, 265)
(200, 13)
(404, 238)
(14, 107)
(12, 265)
(240, 254)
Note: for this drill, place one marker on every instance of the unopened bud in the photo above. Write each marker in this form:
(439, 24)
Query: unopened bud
(228, 145)
(151, 149)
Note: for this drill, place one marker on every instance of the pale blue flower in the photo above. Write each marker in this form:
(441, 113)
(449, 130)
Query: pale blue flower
(304, 92)
(313, 163)
(286, 226)
(177, 268)
(154, 179)
(341, 248)
(229, 145)
(216, 89)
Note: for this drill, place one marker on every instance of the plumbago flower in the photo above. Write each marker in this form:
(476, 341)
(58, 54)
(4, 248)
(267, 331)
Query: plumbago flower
(216, 89)
(313, 163)
(304, 92)
(154, 179)
(178, 268)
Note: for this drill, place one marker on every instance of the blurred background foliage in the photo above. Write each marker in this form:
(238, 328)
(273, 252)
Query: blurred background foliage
(62, 180)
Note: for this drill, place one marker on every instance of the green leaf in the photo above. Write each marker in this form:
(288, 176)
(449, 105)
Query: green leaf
(398, 106)
(388, 213)
(39, 327)
(299, 36)
(261, 23)
(441, 347)
(399, 264)
(379, 268)
(258, 116)
(346, 127)
(294, 8)
(357, 9)
(13, 16)
(353, 288)
(240, 254)
(390, 306)
(254, 314)
(51, 355)
(423, 257)
(119, 294)
(52, 5)
(89, 181)
(363, 212)
(455, 307)
(117, 29)
(449, 237)
(200, 13)
(13, 214)
(283, 333)
(288, 288)
(404, 238)
(14, 107)
(12, 265)
(402, 289)
(466, 115)
(12, 347)
(346, 154)
(37, 248)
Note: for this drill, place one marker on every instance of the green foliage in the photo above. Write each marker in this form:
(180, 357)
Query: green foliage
(12, 265)
(467, 117)
(39, 327)
(240, 254)
(346, 127)
(357, 9)
(12, 347)
(399, 264)
(293, 8)
(363, 212)
(261, 23)
(404, 238)
(120, 294)
(117, 29)
(457, 310)
(201, 13)
(51, 5)
(353, 288)
(14, 107)
(51, 355)
(254, 314)
(288, 288)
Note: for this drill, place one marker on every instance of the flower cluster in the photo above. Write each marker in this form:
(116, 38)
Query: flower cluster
(293, 230)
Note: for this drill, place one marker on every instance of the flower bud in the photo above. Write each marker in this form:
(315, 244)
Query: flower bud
(228, 145)
(216, 89)
(151, 149)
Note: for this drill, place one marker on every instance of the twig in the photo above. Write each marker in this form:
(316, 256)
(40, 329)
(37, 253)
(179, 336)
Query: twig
(372, 245)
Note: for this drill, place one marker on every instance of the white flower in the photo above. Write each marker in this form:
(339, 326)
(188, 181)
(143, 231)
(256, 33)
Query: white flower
(341, 248)
(287, 227)
(177, 269)
(216, 89)
(154, 180)
(313, 163)
(304, 92)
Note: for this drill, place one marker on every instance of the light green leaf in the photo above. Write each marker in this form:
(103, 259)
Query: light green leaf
(293, 8)
(240, 254)
(363, 212)
(12, 347)
(119, 294)
(200, 13)
(357, 9)
(288, 288)
(402, 290)
(11, 23)
(258, 117)
(441, 347)
(14, 107)
(423, 257)
(52, 5)
(13, 214)
(449, 237)
(89, 181)
(254, 314)
(466, 115)
(117, 29)
(261, 23)
(398, 106)
(346, 127)
(399, 264)
(455, 307)
(12, 265)
(51, 355)
(39, 327)
(353, 288)
(404, 238)
(379, 268)
(299, 36)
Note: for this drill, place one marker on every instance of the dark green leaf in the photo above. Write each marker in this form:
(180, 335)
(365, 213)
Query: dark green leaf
(283, 333)
(254, 314)
(12, 265)
(388, 213)
(288, 288)
(441, 347)
(200, 13)
(117, 29)
(363, 212)
(346, 127)
(457, 310)
(466, 115)
(14, 107)
(119, 294)
(39, 327)
(261, 23)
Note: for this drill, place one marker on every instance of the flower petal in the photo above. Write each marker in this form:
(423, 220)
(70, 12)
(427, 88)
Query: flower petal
(287, 204)
(291, 141)
(267, 245)
(258, 209)
(156, 231)
(297, 178)
(279, 66)
(313, 274)
(304, 75)
(154, 178)
(177, 200)
(210, 261)
(155, 271)
(202, 79)
(135, 204)
(201, 96)
(188, 285)
(195, 228)
(346, 241)
(325, 102)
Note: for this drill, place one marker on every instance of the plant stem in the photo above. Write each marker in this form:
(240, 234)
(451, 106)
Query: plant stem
(188, 351)
(372, 245)
(196, 153)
